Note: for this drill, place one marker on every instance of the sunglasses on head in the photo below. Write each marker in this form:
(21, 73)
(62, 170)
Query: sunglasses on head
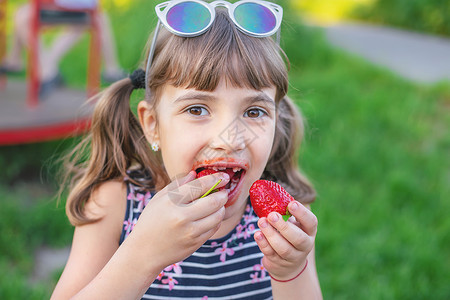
(190, 18)
(194, 17)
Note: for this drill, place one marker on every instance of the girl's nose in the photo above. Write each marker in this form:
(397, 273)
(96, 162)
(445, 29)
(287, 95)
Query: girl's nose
(233, 137)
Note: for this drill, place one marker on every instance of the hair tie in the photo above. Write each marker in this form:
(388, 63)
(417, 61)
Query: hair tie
(138, 79)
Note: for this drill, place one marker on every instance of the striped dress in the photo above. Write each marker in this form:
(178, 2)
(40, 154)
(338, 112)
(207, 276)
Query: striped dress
(225, 268)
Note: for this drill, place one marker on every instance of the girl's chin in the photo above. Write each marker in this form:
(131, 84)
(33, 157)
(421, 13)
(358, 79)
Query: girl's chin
(233, 198)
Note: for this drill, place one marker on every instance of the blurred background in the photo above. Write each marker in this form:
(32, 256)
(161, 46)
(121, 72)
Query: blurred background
(377, 148)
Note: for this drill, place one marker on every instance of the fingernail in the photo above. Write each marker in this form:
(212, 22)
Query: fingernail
(274, 217)
(224, 176)
(258, 236)
(263, 223)
(294, 206)
(189, 177)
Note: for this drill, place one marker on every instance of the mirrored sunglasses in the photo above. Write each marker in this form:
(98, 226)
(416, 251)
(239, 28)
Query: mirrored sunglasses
(194, 17)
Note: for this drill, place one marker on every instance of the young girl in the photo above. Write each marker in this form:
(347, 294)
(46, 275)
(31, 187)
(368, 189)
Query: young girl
(215, 99)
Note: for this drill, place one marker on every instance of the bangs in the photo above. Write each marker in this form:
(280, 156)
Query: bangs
(222, 53)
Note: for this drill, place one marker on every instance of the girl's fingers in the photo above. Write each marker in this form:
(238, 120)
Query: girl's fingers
(290, 232)
(177, 182)
(277, 241)
(208, 226)
(306, 218)
(206, 206)
(264, 245)
(185, 179)
(186, 189)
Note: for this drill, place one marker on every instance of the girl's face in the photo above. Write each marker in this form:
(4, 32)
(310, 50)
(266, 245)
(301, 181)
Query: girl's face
(229, 129)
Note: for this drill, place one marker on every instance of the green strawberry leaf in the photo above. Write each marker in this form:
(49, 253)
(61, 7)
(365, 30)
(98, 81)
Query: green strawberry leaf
(286, 217)
(211, 190)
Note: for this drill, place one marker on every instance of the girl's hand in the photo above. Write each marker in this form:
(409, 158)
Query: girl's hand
(175, 223)
(285, 245)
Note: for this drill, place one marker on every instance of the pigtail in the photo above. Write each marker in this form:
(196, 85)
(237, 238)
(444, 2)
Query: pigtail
(283, 161)
(116, 143)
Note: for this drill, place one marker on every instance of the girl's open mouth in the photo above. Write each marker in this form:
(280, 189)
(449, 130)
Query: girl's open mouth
(236, 175)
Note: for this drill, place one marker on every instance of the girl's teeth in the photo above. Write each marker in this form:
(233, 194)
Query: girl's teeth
(236, 169)
(233, 185)
(215, 169)
(222, 168)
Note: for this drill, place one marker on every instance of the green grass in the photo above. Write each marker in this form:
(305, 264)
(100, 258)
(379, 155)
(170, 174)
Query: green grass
(377, 149)
(29, 218)
(429, 16)
(432, 16)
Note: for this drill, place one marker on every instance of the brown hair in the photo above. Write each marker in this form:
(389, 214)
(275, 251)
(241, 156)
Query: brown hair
(117, 143)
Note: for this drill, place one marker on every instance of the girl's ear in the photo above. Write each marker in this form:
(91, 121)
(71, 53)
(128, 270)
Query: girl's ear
(147, 118)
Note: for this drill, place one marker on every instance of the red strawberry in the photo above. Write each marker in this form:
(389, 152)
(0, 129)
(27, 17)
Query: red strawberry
(267, 196)
(205, 172)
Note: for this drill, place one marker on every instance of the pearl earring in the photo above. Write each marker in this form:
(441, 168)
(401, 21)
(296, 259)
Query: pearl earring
(155, 146)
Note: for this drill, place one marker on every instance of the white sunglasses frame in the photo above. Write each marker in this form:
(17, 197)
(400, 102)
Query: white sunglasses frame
(162, 10)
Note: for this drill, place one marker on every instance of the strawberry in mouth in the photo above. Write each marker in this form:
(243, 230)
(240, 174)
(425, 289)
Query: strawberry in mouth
(236, 174)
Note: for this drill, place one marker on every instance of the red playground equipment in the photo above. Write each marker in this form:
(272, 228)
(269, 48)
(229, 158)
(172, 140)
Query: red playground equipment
(23, 117)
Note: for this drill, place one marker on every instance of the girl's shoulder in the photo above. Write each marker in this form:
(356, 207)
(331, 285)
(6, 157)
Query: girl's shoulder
(107, 200)
(106, 207)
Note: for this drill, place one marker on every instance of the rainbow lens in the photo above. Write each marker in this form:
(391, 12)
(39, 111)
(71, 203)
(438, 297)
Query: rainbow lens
(188, 17)
(255, 18)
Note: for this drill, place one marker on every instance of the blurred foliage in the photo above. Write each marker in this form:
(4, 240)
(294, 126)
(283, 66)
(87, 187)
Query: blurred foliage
(327, 10)
(29, 216)
(29, 219)
(31, 161)
(422, 15)
(376, 148)
(432, 16)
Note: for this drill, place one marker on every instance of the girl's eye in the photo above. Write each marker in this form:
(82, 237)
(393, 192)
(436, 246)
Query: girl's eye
(255, 113)
(197, 111)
